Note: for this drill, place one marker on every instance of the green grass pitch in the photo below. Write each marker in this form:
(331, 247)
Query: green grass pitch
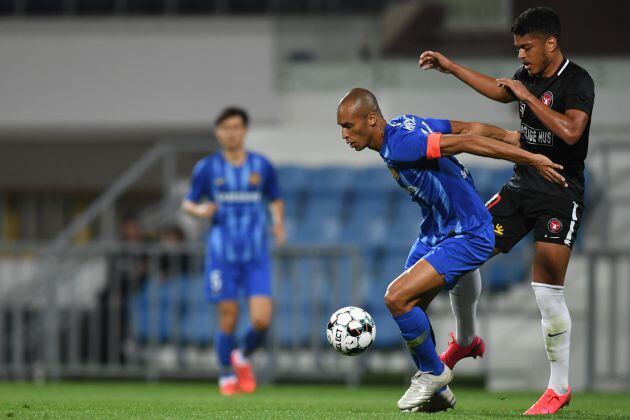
(128, 400)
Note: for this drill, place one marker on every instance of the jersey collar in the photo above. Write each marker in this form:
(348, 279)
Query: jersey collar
(562, 67)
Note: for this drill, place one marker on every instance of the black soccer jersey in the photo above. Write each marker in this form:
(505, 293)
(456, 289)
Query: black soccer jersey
(571, 87)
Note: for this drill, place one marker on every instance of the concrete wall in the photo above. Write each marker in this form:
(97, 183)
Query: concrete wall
(102, 74)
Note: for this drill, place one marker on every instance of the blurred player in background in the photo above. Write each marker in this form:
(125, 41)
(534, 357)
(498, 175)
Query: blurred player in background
(232, 188)
(456, 233)
(556, 99)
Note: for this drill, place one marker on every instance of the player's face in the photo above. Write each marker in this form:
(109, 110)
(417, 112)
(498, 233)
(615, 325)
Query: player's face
(231, 133)
(535, 52)
(355, 129)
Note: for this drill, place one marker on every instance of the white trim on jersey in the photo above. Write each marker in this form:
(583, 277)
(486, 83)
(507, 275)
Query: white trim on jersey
(494, 197)
(563, 67)
(569, 237)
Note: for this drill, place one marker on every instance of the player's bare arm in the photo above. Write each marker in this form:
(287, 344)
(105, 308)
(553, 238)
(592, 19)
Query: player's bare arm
(276, 209)
(486, 130)
(482, 146)
(204, 210)
(568, 126)
(483, 84)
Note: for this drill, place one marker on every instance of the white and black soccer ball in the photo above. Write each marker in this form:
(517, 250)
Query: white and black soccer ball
(351, 330)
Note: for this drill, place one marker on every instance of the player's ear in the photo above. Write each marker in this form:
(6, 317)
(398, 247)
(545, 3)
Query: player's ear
(371, 119)
(551, 43)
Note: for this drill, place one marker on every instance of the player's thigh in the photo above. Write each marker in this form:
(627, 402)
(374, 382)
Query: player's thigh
(550, 263)
(557, 220)
(460, 254)
(557, 225)
(416, 253)
(260, 312)
(408, 288)
(510, 221)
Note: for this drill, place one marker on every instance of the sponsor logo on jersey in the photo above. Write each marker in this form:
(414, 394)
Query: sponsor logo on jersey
(536, 136)
(254, 178)
(498, 229)
(240, 196)
(547, 98)
(219, 181)
(554, 225)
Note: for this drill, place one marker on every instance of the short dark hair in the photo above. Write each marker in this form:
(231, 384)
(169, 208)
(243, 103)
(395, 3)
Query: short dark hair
(232, 111)
(539, 20)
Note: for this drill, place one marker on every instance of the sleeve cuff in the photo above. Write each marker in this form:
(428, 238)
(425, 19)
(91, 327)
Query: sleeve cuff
(433, 146)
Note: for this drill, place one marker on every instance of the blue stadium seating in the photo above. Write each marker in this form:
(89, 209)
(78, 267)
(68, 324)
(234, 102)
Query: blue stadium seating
(325, 206)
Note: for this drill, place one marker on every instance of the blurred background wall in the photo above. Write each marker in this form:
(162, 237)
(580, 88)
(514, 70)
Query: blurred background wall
(106, 105)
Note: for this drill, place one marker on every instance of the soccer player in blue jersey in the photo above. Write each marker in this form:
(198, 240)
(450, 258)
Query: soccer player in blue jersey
(456, 232)
(232, 188)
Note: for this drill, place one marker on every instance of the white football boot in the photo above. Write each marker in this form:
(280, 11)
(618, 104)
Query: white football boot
(423, 386)
(440, 401)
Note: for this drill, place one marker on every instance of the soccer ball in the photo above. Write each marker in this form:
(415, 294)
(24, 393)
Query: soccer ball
(351, 331)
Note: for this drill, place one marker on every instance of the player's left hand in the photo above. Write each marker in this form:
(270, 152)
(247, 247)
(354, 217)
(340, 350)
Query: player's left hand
(517, 87)
(279, 234)
(549, 170)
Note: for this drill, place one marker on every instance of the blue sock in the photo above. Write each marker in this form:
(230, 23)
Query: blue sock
(253, 340)
(224, 344)
(416, 330)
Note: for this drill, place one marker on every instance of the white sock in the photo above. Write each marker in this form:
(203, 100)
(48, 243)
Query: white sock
(464, 297)
(556, 328)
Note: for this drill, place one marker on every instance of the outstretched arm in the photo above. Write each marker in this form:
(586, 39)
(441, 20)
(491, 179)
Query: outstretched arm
(483, 84)
(483, 146)
(486, 130)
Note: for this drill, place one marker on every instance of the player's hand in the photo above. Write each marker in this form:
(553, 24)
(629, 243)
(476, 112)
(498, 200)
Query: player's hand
(205, 210)
(435, 60)
(517, 87)
(279, 234)
(548, 170)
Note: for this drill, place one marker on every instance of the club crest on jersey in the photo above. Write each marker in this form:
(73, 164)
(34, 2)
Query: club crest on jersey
(547, 98)
(254, 178)
(554, 225)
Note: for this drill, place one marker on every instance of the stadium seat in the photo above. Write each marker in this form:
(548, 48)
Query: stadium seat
(367, 218)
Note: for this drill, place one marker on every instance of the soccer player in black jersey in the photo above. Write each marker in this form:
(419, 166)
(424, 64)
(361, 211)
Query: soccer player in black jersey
(555, 99)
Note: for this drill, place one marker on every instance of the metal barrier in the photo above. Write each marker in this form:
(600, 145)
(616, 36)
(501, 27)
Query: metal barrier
(116, 310)
(608, 327)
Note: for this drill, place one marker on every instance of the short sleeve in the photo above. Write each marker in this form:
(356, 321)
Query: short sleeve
(272, 189)
(199, 183)
(580, 93)
(439, 126)
(411, 146)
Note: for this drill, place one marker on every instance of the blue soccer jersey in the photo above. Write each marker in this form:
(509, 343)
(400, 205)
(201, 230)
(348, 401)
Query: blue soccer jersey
(442, 186)
(239, 228)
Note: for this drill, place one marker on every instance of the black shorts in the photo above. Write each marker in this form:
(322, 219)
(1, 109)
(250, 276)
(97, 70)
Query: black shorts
(516, 212)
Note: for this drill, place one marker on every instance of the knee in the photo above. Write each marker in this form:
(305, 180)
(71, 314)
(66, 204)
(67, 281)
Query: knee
(260, 323)
(227, 321)
(396, 303)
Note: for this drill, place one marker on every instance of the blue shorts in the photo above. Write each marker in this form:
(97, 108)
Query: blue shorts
(456, 255)
(224, 280)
